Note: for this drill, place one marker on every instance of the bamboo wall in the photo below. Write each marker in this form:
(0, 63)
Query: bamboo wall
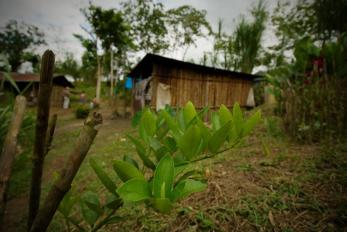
(201, 88)
(57, 96)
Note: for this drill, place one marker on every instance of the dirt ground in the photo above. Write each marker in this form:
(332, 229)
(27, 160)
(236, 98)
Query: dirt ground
(269, 183)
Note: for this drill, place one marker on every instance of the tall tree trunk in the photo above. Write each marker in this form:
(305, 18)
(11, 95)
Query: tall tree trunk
(45, 90)
(67, 174)
(111, 73)
(98, 81)
(8, 152)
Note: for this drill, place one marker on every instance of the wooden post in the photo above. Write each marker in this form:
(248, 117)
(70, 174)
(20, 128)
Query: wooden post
(51, 130)
(67, 174)
(8, 152)
(45, 90)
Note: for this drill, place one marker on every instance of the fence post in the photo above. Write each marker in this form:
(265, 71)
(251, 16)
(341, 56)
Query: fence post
(45, 90)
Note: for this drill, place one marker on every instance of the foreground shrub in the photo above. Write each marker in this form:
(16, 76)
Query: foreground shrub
(168, 145)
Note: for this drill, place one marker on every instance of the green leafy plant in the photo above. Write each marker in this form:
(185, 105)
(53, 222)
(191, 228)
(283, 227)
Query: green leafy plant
(82, 112)
(168, 145)
(95, 213)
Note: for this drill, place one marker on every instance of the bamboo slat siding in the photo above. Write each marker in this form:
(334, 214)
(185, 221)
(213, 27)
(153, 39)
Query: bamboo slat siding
(200, 88)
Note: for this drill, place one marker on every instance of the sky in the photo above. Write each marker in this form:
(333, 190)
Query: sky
(60, 19)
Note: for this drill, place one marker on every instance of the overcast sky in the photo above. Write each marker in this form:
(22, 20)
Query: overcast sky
(59, 19)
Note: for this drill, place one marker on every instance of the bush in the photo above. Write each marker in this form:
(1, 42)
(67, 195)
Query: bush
(82, 112)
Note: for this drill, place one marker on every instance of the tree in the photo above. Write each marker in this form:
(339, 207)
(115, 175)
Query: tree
(187, 24)
(113, 31)
(248, 35)
(68, 66)
(108, 27)
(17, 38)
(242, 49)
(148, 25)
(89, 60)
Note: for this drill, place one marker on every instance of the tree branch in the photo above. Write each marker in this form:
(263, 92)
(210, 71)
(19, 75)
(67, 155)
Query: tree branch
(8, 152)
(67, 174)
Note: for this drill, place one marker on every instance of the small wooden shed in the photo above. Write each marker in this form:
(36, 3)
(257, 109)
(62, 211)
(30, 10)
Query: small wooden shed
(169, 81)
(24, 79)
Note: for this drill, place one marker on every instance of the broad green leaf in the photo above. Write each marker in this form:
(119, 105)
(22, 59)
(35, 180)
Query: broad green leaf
(171, 144)
(147, 124)
(189, 112)
(218, 138)
(134, 190)
(178, 170)
(206, 135)
(130, 160)
(158, 149)
(89, 215)
(102, 175)
(185, 188)
(90, 207)
(233, 136)
(215, 121)
(237, 118)
(162, 127)
(180, 120)
(141, 151)
(163, 177)
(163, 205)
(190, 143)
(174, 129)
(126, 171)
(251, 122)
(189, 174)
(224, 115)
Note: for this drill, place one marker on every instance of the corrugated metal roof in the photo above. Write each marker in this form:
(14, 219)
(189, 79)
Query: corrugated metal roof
(145, 66)
(32, 77)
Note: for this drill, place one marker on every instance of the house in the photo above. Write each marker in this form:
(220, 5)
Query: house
(159, 81)
(30, 83)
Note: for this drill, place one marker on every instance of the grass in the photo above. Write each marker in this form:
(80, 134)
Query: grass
(289, 187)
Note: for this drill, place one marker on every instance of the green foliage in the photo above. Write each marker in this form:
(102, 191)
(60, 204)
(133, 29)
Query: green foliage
(15, 38)
(242, 50)
(68, 66)
(26, 130)
(177, 141)
(248, 37)
(310, 91)
(102, 175)
(168, 145)
(148, 28)
(82, 111)
(187, 24)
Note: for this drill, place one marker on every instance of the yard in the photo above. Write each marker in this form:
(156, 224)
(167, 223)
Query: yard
(268, 183)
